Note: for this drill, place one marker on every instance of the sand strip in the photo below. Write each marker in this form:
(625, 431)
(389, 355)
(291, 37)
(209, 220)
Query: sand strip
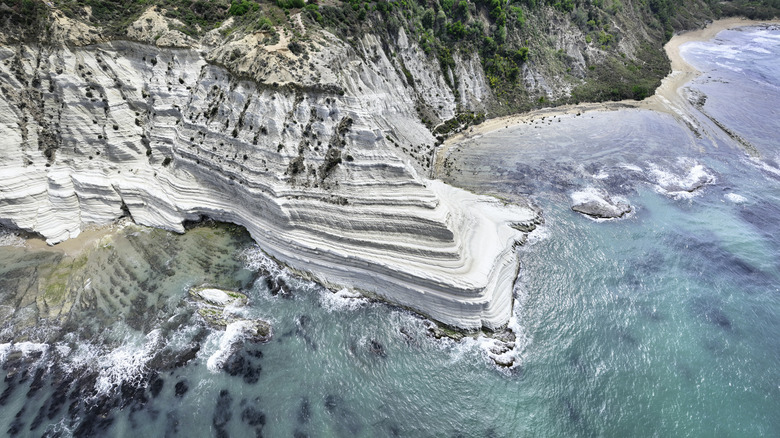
(89, 238)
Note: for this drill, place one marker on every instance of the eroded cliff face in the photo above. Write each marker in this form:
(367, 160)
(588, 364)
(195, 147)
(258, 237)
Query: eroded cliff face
(323, 158)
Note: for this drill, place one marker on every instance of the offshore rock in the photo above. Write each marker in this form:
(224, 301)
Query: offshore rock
(216, 307)
(598, 204)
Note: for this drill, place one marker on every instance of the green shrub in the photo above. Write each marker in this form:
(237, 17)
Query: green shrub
(290, 4)
(456, 29)
(241, 8)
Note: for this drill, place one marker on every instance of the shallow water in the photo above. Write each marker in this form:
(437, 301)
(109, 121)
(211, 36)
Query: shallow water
(661, 324)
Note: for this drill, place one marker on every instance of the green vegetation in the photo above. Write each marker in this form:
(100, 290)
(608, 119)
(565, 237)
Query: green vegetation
(241, 8)
(507, 35)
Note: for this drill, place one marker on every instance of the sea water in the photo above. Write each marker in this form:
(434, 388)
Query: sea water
(664, 323)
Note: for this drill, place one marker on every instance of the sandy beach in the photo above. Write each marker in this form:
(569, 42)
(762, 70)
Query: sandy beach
(89, 238)
(666, 98)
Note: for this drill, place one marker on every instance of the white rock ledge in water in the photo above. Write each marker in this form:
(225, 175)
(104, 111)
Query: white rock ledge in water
(161, 135)
(218, 297)
(598, 204)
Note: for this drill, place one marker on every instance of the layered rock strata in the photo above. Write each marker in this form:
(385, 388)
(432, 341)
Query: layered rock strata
(327, 179)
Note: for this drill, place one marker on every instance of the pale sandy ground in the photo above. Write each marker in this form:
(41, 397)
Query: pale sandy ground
(89, 238)
(666, 98)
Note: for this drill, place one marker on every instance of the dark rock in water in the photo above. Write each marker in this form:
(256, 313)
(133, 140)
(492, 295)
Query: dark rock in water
(259, 331)
(234, 365)
(186, 356)
(394, 430)
(156, 385)
(74, 408)
(9, 389)
(223, 412)
(132, 394)
(253, 416)
(238, 365)
(278, 287)
(39, 417)
(181, 388)
(51, 433)
(37, 382)
(93, 425)
(572, 412)
(15, 427)
(708, 308)
(346, 422)
(258, 354)
(332, 402)
(303, 324)
(304, 321)
(440, 332)
(84, 386)
(709, 259)
(627, 338)
(304, 412)
(58, 399)
(377, 348)
(300, 434)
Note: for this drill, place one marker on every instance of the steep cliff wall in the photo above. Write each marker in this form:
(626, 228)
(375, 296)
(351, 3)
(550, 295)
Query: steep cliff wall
(322, 159)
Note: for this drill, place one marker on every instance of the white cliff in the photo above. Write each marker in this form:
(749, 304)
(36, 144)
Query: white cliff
(326, 171)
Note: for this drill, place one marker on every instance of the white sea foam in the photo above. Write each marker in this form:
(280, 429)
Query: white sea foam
(735, 198)
(493, 351)
(757, 49)
(767, 38)
(720, 50)
(341, 300)
(127, 363)
(763, 165)
(729, 67)
(25, 348)
(682, 182)
(255, 259)
(632, 167)
(540, 233)
(227, 344)
(84, 354)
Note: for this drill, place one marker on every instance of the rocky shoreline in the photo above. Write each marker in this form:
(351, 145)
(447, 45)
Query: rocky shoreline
(323, 179)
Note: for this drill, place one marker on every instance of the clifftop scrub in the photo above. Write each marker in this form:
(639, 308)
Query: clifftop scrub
(532, 53)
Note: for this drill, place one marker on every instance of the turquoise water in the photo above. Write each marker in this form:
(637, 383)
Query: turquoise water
(661, 324)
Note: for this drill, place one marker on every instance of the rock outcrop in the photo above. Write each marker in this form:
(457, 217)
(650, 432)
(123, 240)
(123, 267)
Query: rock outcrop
(598, 204)
(328, 178)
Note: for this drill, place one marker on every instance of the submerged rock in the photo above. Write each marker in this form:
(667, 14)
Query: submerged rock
(377, 348)
(598, 204)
